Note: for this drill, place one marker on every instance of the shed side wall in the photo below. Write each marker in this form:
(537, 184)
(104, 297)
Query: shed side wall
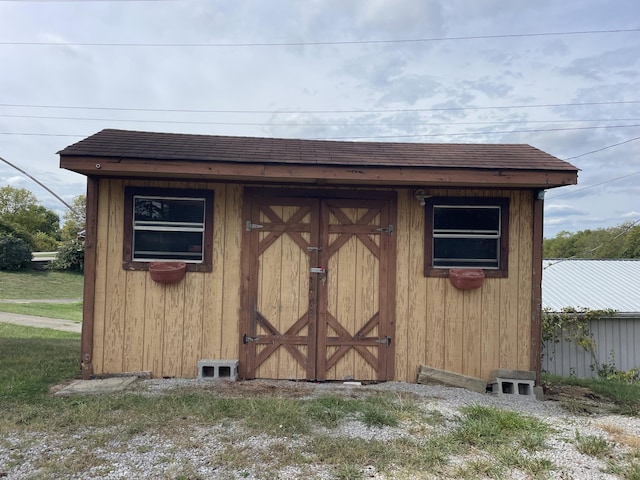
(470, 332)
(166, 329)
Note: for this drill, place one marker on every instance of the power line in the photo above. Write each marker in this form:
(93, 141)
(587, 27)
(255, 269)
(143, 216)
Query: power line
(585, 252)
(327, 111)
(603, 148)
(319, 43)
(595, 185)
(290, 124)
(28, 134)
(425, 135)
(494, 132)
(39, 183)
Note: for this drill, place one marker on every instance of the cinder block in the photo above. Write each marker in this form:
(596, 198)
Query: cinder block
(512, 386)
(218, 370)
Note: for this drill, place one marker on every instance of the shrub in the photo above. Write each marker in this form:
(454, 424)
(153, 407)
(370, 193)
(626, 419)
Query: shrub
(70, 256)
(14, 253)
(44, 242)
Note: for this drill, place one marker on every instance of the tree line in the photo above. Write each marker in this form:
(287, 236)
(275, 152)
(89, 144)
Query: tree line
(27, 226)
(621, 241)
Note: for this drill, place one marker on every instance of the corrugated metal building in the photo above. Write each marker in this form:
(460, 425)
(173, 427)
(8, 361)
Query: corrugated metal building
(594, 284)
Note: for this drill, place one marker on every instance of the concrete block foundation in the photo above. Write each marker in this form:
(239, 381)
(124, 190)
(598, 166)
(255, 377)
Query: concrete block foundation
(218, 370)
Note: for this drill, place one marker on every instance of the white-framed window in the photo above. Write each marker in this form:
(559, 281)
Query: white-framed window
(168, 225)
(466, 232)
(168, 228)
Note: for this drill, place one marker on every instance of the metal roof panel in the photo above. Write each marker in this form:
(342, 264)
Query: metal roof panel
(596, 284)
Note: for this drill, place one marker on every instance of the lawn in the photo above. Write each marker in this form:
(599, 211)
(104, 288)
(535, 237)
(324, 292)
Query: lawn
(292, 430)
(64, 311)
(39, 285)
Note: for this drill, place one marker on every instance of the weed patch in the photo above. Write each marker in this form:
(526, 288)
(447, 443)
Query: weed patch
(484, 427)
(592, 445)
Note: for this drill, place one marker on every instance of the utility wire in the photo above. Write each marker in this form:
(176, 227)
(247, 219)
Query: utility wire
(604, 148)
(595, 185)
(320, 43)
(426, 135)
(288, 112)
(290, 124)
(40, 183)
(586, 252)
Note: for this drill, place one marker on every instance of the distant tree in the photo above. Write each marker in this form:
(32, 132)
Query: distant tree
(20, 212)
(44, 242)
(563, 245)
(70, 256)
(74, 222)
(631, 246)
(621, 241)
(14, 253)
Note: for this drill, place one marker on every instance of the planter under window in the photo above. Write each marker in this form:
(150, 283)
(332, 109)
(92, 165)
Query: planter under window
(167, 272)
(466, 278)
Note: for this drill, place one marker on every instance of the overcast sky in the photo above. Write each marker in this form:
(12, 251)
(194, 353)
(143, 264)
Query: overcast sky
(485, 71)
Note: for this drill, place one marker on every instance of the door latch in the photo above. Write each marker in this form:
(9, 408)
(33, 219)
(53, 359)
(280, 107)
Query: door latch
(322, 274)
(384, 341)
(247, 339)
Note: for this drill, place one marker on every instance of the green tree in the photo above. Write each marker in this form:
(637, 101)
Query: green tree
(621, 241)
(74, 222)
(631, 245)
(20, 212)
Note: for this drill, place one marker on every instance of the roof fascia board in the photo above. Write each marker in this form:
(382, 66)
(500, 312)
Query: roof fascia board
(427, 176)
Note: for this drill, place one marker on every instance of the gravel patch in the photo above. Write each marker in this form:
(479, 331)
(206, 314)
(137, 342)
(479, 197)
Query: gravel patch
(211, 451)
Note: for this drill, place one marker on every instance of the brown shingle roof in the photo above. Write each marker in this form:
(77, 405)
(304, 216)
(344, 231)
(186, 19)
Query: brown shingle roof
(119, 144)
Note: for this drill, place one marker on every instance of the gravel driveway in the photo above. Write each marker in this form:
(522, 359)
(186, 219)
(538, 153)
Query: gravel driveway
(151, 455)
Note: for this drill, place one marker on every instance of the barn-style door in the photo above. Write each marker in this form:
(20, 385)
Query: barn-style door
(318, 288)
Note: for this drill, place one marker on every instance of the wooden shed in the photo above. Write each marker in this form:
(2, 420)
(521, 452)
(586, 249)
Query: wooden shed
(306, 259)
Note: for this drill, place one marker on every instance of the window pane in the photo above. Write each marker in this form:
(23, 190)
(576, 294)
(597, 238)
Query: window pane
(466, 218)
(167, 245)
(148, 209)
(471, 252)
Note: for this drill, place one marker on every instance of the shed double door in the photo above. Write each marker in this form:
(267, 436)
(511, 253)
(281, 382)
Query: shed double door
(318, 293)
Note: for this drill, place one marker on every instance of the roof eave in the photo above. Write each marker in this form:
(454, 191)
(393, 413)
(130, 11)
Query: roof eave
(318, 174)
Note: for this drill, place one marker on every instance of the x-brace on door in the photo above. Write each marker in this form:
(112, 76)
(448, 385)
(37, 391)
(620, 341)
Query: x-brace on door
(318, 286)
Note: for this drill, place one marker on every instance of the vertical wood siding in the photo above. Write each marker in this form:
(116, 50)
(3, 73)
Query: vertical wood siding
(470, 332)
(166, 329)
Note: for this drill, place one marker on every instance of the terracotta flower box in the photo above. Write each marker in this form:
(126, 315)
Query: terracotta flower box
(466, 278)
(167, 272)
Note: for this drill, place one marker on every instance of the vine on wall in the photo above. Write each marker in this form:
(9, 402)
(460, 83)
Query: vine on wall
(572, 325)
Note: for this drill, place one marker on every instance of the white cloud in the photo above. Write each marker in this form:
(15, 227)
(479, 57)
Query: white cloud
(631, 214)
(453, 74)
(556, 210)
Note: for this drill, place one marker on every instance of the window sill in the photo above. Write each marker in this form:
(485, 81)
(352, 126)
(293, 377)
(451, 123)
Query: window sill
(444, 272)
(144, 266)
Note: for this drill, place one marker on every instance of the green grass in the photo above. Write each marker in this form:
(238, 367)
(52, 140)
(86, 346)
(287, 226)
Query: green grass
(35, 284)
(625, 395)
(483, 427)
(64, 311)
(593, 445)
(486, 442)
(32, 359)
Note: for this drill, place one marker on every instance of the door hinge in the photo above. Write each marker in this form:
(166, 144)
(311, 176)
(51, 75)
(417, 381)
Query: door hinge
(384, 341)
(250, 226)
(247, 339)
(388, 229)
